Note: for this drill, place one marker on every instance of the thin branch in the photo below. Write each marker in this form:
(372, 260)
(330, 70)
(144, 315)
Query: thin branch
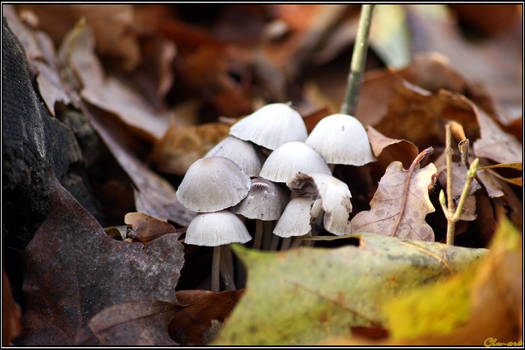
(357, 65)
(413, 166)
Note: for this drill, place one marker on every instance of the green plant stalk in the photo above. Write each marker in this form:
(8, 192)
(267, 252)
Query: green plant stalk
(453, 217)
(357, 65)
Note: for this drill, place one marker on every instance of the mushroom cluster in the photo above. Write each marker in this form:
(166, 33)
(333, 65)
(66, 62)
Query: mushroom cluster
(234, 179)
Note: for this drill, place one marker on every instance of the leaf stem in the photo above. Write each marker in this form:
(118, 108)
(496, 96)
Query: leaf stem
(357, 65)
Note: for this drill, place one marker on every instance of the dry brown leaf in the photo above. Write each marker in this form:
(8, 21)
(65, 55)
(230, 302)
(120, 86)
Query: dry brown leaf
(112, 25)
(111, 94)
(74, 270)
(136, 323)
(388, 150)
(192, 325)
(385, 206)
(40, 53)
(11, 315)
(495, 143)
(489, 18)
(146, 227)
(494, 63)
(184, 144)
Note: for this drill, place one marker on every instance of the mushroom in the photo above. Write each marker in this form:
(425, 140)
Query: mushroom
(241, 152)
(341, 139)
(271, 126)
(217, 230)
(295, 220)
(265, 202)
(334, 196)
(212, 184)
(291, 158)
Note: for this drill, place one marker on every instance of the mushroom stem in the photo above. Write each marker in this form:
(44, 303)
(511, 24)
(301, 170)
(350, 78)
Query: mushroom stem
(267, 235)
(215, 269)
(226, 269)
(285, 244)
(257, 242)
(275, 242)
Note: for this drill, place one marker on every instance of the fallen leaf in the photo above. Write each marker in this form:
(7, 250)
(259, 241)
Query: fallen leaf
(489, 18)
(387, 150)
(154, 196)
(301, 296)
(74, 270)
(386, 205)
(182, 145)
(111, 25)
(192, 324)
(41, 57)
(147, 228)
(495, 143)
(11, 315)
(111, 94)
(135, 323)
(480, 302)
(494, 63)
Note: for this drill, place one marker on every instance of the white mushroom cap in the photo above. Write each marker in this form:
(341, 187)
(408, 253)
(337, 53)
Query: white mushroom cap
(291, 158)
(214, 229)
(240, 152)
(265, 201)
(295, 220)
(335, 199)
(271, 126)
(212, 184)
(341, 139)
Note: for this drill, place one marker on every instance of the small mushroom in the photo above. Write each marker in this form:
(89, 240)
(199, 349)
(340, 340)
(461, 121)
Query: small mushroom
(212, 184)
(216, 230)
(271, 126)
(291, 158)
(295, 220)
(341, 139)
(265, 202)
(334, 196)
(241, 152)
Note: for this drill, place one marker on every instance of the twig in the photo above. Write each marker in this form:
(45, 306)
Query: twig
(357, 65)
(452, 214)
(415, 162)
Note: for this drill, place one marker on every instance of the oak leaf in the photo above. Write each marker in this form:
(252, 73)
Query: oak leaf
(386, 205)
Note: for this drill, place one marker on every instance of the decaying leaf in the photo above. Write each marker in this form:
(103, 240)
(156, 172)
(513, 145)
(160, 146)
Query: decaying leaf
(74, 270)
(386, 204)
(192, 324)
(494, 143)
(111, 24)
(40, 53)
(110, 94)
(305, 295)
(135, 323)
(11, 314)
(388, 150)
(146, 228)
(481, 302)
(182, 145)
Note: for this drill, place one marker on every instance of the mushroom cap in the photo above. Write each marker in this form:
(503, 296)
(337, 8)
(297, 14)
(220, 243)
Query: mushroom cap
(335, 199)
(214, 229)
(291, 158)
(265, 201)
(341, 139)
(271, 126)
(295, 220)
(212, 184)
(240, 152)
